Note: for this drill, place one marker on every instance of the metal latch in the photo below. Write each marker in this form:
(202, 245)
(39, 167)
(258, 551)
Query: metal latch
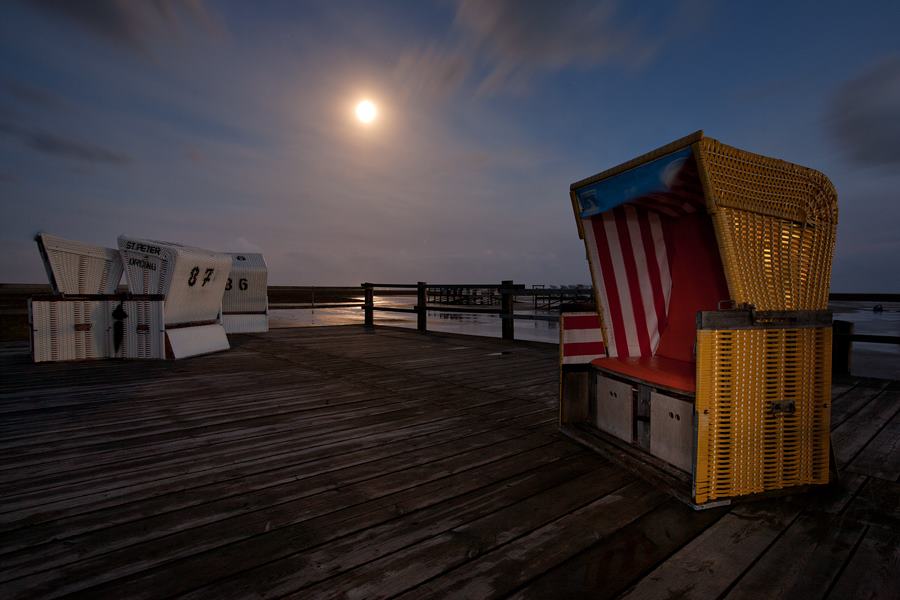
(785, 406)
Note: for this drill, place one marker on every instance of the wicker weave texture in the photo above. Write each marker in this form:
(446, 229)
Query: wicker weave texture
(247, 287)
(69, 330)
(776, 224)
(143, 330)
(763, 410)
(79, 268)
(773, 263)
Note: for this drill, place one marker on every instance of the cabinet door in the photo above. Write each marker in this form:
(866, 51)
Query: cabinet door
(615, 407)
(672, 430)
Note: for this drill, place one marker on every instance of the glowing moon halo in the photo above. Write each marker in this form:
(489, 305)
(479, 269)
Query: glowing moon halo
(366, 111)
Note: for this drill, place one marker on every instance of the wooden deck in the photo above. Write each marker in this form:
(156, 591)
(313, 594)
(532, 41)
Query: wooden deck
(331, 462)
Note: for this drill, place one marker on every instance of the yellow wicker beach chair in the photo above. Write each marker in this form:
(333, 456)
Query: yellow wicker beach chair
(711, 269)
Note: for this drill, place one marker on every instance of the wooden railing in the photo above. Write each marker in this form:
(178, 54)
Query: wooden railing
(506, 289)
(13, 312)
(844, 334)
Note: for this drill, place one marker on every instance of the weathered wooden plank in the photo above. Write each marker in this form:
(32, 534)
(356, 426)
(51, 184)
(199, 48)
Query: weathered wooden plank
(708, 565)
(856, 432)
(878, 503)
(136, 501)
(841, 387)
(832, 499)
(307, 435)
(414, 565)
(215, 524)
(308, 418)
(881, 456)
(111, 453)
(132, 417)
(284, 407)
(616, 562)
(848, 404)
(381, 529)
(497, 573)
(872, 572)
(802, 563)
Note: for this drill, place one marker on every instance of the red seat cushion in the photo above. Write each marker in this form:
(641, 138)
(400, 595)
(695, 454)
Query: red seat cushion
(656, 370)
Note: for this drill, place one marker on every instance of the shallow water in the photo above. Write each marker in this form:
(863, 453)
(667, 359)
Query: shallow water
(868, 360)
(447, 322)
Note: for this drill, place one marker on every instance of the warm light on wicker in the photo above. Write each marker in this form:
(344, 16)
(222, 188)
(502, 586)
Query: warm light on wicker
(776, 224)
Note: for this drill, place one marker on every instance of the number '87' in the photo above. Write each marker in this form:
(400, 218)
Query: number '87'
(207, 276)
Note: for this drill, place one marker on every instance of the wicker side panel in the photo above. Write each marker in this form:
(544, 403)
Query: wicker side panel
(739, 179)
(141, 334)
(763, 410)
(247, 287)
(69, 330)
(774, 263)
(245, 323)
(83, 274)
(776, 224)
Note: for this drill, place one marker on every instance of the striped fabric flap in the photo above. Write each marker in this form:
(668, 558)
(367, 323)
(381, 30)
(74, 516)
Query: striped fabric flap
(630, 259)
(581, 339)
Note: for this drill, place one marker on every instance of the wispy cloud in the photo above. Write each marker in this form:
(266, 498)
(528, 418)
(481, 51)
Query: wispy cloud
(518, 39)
(31, 95)
(501, 45)
(432, 72)
(63, 147)
(131, 24)
(865, 115)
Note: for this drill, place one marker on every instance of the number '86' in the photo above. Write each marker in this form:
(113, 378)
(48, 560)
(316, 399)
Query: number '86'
(242, 284)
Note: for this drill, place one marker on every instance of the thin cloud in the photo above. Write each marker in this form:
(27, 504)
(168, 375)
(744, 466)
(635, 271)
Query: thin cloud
(518, 39)
(30, 95)
(432, 72)
(56, 145)
(865, 116)
(502, 45)
(130, 24)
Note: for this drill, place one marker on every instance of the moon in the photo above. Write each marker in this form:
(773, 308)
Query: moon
(366, 111)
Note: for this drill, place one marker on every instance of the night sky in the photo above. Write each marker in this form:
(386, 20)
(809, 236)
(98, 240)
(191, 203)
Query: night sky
(230, 125)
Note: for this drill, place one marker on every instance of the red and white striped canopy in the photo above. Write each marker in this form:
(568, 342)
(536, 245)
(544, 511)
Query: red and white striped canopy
(630, 260)
(653, 255)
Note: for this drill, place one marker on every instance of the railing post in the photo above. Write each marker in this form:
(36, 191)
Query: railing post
(507, 297)
(421, 303)
(841, 347)
(369, 308)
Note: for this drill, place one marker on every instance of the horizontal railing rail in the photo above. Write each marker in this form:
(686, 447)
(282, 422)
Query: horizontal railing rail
(13, 298)
(862, 297)
(507, 291)
(875, 339)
